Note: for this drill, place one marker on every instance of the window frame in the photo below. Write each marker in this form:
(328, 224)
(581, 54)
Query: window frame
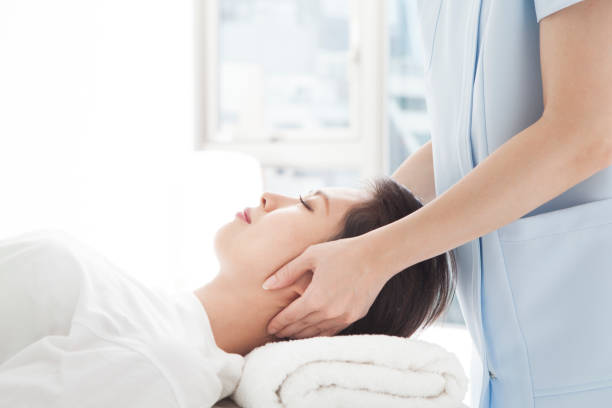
(362, 147)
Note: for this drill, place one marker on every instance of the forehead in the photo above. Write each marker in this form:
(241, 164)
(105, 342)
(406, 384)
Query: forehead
(341, 196)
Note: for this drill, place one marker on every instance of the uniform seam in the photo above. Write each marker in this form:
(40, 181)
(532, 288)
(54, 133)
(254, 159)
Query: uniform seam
(135, 350)
(574, 389)
(474, 53)
(469, 161)
(484, 104)
(554, 233)
(433, 40)
(518, 322)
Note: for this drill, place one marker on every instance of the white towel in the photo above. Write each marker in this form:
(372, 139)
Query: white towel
(366, 370)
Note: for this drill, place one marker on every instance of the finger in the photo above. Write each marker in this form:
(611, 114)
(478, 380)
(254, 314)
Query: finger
(309, 320)
(328, 333)
(328, 327)
(310, 331)
(296, 310)
(288, 273)
(331, 327)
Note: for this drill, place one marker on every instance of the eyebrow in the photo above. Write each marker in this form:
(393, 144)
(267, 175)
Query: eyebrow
(325, 197)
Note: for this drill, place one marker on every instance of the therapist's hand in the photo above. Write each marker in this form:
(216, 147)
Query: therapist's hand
(344, 285)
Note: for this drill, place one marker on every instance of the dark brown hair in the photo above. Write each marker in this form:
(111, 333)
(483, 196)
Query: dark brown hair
(415, 296)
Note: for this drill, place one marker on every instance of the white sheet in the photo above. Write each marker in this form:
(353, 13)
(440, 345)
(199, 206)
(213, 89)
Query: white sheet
(77, 332)
(226, 403)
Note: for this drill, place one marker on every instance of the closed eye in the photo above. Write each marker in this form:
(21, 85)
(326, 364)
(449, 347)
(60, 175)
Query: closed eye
(306, 205)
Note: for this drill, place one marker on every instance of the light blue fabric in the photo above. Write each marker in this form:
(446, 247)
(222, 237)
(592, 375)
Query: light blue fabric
(537, 293)
(545, 8)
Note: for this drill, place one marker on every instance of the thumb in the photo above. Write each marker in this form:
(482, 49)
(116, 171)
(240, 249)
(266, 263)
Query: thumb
(288, 274)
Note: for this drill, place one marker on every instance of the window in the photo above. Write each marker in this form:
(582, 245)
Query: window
(293, 82)
(289, 76)
(406, 110)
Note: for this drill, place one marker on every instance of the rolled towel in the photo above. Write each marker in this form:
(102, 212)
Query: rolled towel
(352, 371)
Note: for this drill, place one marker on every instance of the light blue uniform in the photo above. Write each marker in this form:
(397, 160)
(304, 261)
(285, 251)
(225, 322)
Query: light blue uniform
(537, 293)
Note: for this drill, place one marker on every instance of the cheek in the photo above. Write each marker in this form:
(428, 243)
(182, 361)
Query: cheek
(285, 240)
(242, 246)
(227, 243)
(268, 244)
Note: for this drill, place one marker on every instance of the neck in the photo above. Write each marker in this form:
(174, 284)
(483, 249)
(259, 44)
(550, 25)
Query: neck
(239, 311)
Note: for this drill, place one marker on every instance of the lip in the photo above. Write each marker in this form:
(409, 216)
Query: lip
(244, 215)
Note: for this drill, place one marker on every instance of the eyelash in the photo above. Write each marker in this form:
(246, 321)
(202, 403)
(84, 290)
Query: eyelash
(305, 205)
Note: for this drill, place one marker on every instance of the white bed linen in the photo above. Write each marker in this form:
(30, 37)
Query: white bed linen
(77, 332)
(226, 403)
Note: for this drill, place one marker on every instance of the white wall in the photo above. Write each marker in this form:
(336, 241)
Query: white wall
(96, 135)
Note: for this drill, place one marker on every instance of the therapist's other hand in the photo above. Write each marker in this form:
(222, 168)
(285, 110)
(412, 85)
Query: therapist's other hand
(343, 287)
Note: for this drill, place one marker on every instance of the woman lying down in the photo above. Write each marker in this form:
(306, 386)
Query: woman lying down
(75, 331)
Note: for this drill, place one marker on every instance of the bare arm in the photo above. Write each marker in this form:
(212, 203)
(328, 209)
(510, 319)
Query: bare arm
(569, 143)
(417, 174)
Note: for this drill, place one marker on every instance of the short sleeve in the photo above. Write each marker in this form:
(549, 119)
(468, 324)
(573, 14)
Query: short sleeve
(545, 8)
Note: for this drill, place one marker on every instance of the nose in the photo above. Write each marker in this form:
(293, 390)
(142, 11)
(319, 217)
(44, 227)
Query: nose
(270, 202)
(267, 202)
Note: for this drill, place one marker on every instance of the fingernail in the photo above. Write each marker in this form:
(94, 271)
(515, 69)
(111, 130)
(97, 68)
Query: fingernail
(269, 282)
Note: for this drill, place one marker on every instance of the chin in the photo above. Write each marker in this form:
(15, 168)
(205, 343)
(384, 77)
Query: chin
(227, 246)
(220, 242)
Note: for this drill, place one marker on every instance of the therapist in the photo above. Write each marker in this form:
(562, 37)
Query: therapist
(520, 98)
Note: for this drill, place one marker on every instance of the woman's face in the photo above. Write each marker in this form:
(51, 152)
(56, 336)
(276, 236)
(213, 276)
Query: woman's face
(280, 228)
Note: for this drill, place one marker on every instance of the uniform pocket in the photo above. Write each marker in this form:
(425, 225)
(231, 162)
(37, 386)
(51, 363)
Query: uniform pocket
(429, 13)
(592, 397)
(559, 268)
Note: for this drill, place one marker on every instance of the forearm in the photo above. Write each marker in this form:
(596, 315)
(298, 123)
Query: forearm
(416, 173)
(530, 169)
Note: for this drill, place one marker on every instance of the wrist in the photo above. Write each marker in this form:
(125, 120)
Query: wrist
(375, 255)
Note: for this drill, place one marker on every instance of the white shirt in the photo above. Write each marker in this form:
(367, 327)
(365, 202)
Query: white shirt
(77, 332)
